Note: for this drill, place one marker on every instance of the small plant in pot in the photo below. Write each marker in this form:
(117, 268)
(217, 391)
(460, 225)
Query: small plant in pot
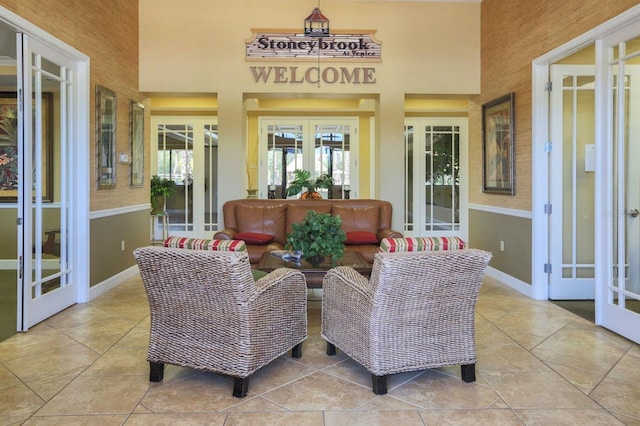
(160, 189)
(317, 236)
(303, 180)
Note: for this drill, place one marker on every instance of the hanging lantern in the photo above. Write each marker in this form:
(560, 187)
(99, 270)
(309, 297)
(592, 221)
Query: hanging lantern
(316, 24)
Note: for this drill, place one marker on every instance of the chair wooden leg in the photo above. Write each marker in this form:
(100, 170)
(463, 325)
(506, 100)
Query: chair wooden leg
(379, 384)
(468, 372)
(240, 386)
(156, 371)
(296, 352)
(331, 349)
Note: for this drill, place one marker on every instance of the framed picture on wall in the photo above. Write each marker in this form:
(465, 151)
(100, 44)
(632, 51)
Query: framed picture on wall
(105, 138)
(498, 146)
(9, 148)
(136, 138)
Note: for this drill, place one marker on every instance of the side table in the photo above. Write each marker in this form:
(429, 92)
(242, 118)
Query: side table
(163, 221)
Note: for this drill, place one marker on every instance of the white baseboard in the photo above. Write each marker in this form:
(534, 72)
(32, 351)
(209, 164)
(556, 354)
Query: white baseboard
(112, 282)
(510, 281)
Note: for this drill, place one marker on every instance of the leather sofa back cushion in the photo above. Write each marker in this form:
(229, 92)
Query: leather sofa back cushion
(262, 220)
(295, 214)
(358, 218)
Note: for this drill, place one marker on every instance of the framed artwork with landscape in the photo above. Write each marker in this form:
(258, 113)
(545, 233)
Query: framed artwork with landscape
(105, 138)
(136, 137)
(9, 148)
(498, 146)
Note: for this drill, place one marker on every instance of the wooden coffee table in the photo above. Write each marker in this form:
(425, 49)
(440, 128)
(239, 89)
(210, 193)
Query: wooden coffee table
(315, 274)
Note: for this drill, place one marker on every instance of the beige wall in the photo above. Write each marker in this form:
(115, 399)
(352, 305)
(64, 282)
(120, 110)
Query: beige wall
(196, 46)
(514, 33)
(106, 31)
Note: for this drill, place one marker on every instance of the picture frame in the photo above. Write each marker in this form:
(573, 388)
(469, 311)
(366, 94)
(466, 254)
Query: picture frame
(105, 138)
(498, 146)
(9, 147)
(136, 142)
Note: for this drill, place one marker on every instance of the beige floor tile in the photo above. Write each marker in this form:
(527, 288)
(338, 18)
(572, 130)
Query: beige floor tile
(567, 417)
(175, 419)
(121, 361)
(202, 392)
(590, 349)
(253, 404)
(619, 396)
(281, 371)
(7, 378)
(39, 339)
(433, 390)
(320, 391)
(537, 364)
(506, 358)
(54, 362)
(586, 381)
(308, 418)
(358, 418)
(17, 403)
(537, 389)
(97, 395)
(49, 386)
(627, 368)
(93, 420)
(502, 417)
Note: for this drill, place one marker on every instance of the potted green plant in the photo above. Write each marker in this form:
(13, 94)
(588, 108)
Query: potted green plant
(302, 179)
(317, 236)
(161, 188)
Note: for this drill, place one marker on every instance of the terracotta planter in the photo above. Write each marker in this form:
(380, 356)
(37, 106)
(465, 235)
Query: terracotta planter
(310, 196)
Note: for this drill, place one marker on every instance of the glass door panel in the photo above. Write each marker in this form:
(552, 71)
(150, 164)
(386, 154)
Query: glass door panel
(319, 146)
(434, 186)
(186, 152)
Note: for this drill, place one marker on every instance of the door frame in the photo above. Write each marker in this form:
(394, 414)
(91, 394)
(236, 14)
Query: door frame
(308, 131)
(419, 170)
(540, 136)
(78, 160)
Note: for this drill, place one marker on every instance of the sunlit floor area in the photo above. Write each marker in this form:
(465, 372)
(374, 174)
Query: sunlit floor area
(538, 364)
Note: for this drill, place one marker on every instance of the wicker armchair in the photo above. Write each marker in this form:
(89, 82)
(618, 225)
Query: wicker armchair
(416, 312)
(208, 313)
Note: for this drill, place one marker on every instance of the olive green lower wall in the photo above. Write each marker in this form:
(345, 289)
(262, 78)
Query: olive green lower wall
(107, 233)
(487, 229)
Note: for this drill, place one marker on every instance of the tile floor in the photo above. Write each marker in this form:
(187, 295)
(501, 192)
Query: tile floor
(537, 365)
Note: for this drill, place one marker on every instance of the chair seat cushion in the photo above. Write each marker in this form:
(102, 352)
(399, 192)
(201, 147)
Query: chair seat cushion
(361, 237)
(205, 244)
(254, 237)
(421, 244)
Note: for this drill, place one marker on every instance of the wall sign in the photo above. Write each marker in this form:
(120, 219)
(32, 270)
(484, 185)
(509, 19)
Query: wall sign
(359, 47)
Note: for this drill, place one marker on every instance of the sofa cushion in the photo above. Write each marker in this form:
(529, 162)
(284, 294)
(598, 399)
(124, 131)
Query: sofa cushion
(361, 237)
(358, 218)
(262, 219)
(421, 244)
(295, 214)
(254, 237)
(205, 244)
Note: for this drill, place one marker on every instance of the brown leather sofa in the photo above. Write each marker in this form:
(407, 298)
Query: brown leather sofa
(264, 224)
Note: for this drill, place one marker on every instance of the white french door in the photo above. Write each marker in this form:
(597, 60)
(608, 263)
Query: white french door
(46, 170)
(186, 151)
(618, 193)
(319, 145)
(572, 176)
(435, 183)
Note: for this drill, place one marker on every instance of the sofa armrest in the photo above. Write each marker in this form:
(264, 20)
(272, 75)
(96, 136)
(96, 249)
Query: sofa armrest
(388, 233)
(225, 234)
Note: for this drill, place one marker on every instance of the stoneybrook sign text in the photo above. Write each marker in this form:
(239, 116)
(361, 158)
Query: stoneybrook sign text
(264, 46)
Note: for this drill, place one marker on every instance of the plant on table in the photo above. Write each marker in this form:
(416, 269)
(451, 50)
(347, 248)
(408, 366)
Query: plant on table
(317, 236)
(302, 179)
(161, 188)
